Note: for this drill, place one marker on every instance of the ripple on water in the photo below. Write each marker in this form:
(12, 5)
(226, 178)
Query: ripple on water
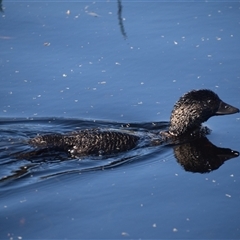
(16, 171)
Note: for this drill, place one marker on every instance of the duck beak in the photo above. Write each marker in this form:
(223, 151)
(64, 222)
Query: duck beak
(225, 109)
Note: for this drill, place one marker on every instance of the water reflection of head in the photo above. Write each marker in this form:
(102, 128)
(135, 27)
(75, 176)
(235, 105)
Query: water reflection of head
(200, 155)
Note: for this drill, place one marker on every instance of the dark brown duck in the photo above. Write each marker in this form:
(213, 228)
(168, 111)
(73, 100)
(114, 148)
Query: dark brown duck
(191, 110)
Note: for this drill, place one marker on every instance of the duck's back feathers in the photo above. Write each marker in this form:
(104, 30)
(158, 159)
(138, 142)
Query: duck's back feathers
(89, 142)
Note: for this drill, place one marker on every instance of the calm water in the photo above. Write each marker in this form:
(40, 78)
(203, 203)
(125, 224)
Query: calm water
(71, 65)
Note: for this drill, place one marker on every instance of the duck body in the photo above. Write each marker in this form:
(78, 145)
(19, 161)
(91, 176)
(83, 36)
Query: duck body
(192, 109)
(89, 142)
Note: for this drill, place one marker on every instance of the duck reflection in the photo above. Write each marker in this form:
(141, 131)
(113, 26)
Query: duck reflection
(201, 156)
(197, 156)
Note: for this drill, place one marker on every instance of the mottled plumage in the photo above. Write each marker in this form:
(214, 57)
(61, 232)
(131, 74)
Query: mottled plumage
(194, 108)
(189, 112)
(89, 142)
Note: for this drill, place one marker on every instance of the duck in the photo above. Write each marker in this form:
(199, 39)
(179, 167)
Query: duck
(187, 116)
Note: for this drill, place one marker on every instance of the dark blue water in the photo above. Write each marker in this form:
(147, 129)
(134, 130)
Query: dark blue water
(73, 65)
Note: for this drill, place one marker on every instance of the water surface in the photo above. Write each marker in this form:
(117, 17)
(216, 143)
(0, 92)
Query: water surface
(73, 65)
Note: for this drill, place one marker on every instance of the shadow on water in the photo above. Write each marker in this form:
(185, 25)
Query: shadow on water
(198, 155)
(120, 19)
(1, 7)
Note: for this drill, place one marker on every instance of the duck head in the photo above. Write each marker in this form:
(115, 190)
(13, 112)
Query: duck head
(194, 108)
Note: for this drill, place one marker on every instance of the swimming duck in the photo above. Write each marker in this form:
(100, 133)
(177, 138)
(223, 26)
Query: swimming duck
(190, 111)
